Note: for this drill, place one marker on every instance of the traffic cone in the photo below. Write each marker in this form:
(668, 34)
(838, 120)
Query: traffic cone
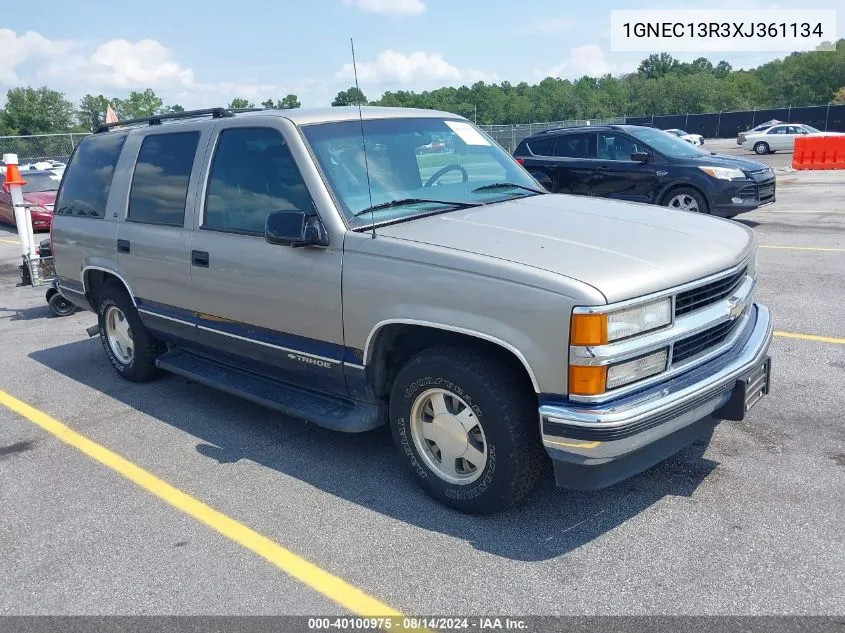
(13, 177)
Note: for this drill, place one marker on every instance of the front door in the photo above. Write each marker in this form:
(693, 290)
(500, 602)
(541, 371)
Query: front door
(274, 308)
(616, 175)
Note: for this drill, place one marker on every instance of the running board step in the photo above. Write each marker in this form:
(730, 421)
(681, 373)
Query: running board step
(338, 414)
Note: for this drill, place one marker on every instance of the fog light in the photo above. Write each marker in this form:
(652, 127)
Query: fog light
(637, 369)
(736, 200)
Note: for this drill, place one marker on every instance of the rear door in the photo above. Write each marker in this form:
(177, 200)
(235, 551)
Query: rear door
(574, 161)
(617, 176)
(154, 238)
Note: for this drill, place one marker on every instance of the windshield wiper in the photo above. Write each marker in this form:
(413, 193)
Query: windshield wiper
(402, 202)
(506, 185)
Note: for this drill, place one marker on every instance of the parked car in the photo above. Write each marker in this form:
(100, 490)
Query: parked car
(781, 137)
(740, 139)
(643, 164)
(40, 189)
(482, 318)
(693, 139)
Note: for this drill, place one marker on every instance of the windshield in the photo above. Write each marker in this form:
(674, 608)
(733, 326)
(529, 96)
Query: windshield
(676, 132)
(419, 164)
(811, 129)
(40, 182)
(664, 143)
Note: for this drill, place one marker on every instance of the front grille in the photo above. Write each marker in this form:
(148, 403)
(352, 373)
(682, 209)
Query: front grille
(702, 296)
(701, 342)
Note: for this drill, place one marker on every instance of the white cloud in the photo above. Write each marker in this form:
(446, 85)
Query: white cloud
(406, 7)
(584, 60)
(418, 67)
(19, 49)
(124, 64)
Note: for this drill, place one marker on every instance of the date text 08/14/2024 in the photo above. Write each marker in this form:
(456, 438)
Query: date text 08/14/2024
(415, 623)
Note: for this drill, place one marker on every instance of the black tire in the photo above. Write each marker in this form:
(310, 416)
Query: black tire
(60, 306)
(506, 410)
(687, 191)
(142, 366)
(761, 148)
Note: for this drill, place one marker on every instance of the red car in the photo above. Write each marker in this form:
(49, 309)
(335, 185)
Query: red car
(40, 189)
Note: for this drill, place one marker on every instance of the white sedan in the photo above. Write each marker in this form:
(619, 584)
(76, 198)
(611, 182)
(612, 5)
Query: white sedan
(695, 139)
(781, 137)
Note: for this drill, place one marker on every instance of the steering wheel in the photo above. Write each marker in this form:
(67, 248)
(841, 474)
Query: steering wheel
(445, 170)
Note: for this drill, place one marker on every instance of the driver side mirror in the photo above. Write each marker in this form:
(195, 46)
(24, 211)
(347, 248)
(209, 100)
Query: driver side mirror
(640, 157)
(295, 228)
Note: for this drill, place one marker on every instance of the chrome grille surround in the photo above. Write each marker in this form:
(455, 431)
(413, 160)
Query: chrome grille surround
(718, 324)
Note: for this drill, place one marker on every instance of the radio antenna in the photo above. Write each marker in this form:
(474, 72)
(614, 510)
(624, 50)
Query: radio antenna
(363, 138)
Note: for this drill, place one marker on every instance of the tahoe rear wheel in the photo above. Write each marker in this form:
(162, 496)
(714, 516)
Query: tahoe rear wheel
(466, 428)
(686, 199)
(761, 148)
(129, 346)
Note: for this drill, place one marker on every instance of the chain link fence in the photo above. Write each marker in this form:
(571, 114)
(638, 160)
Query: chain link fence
(40, 146)
(509, 136)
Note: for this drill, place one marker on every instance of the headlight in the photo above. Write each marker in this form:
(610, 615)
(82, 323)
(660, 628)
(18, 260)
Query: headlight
(600, 329)
(724, 173)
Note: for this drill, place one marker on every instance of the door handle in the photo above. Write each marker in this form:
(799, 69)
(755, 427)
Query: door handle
(123, 246)
(603, 167)
(199, 258)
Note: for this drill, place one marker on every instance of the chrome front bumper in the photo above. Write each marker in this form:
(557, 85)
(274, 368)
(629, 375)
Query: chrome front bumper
(648, 426)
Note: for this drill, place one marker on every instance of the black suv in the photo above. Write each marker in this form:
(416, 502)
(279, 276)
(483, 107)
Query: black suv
(644, 164)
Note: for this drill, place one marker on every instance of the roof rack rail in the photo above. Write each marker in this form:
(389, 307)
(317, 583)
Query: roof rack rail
(237, 110)
(156, 119)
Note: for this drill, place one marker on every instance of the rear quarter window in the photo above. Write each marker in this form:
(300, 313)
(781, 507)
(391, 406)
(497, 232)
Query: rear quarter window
(542, 147)
(88, 177)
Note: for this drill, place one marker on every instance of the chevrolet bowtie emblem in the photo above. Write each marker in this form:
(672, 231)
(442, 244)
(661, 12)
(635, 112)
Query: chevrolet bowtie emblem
(736, 307)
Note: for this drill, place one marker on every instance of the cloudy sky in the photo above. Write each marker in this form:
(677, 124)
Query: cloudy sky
(201, 53)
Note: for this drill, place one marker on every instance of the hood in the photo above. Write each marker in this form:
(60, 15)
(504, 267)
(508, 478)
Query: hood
(721, 160)
(44, 198)
(623, 249)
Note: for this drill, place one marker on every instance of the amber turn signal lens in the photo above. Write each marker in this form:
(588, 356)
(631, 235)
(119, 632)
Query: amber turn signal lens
(588, 329)
(587, 380)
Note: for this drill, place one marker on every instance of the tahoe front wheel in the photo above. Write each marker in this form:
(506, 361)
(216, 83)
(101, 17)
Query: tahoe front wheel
(466, 427)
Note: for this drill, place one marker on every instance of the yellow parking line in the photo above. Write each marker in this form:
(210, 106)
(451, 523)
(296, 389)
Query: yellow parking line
(316, 578)
(9, 241)
(804, 248)
(812, 337)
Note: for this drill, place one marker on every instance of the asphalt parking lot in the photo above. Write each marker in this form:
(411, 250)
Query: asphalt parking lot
(750, 523)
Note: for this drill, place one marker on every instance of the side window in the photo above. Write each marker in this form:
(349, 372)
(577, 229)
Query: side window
(612, 146)
(573, 146)
(160, 182)
(88, 177)
(252, 174)
(780, 129)
(542, 147)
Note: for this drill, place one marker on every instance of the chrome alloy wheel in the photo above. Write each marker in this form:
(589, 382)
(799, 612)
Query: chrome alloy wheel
(448, 436)
(119, 335)
(684, 202)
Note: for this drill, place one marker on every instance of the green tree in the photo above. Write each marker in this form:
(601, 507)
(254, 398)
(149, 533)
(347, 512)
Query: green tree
(722, 70)
(657, 65)
(37, 111)
(92, 111)
(351, 96)
(289, 102)
(138, 105)
(239, 103)
(174, 108)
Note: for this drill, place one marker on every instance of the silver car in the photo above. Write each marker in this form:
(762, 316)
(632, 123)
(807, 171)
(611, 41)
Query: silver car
(320, 263)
